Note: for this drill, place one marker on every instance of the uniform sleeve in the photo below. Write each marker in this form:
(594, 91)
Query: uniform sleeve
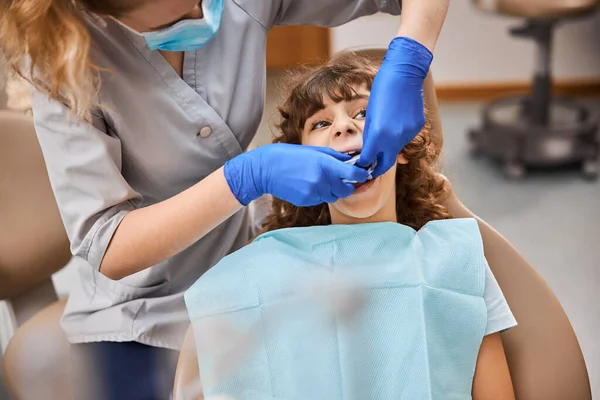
(327, 13)
(330, 13)
(500, 318)
(84, 167)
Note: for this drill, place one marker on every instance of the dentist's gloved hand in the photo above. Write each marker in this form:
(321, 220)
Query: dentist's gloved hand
(395, 113)
(301, 175)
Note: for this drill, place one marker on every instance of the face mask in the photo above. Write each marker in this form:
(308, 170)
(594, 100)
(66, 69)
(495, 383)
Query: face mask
(189, 34)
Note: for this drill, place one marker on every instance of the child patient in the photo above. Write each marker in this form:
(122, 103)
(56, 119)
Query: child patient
(429, 313)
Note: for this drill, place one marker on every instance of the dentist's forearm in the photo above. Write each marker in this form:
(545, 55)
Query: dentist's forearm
(152, 234)
(422, 20)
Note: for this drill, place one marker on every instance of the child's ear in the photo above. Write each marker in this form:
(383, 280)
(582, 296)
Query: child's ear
(401, 159)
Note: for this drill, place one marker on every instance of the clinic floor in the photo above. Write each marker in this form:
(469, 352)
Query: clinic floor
(554, 219)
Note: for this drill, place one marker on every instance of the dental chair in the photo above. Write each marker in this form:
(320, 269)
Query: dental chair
(33, 246)
(33, 242)
(538, 130)
(543, 353)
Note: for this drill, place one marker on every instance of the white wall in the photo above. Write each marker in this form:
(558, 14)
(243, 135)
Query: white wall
(475, 46)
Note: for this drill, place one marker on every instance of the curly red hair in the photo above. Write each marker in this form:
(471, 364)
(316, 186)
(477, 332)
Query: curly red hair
(420, 189)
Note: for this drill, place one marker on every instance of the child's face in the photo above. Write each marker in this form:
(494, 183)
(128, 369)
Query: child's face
(340, 127)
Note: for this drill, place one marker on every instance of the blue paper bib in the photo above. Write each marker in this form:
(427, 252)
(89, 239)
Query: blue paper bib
(344, 312)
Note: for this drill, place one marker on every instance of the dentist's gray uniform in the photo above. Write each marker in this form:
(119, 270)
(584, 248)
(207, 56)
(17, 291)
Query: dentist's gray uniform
(155, 136)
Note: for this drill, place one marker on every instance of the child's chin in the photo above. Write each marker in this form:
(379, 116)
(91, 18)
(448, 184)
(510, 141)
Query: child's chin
(363, 204)
(361, 209)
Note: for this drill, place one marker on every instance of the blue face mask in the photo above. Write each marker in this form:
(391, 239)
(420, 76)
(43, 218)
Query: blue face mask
(189, 34)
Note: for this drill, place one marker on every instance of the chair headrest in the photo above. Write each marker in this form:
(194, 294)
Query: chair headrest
(31, 232)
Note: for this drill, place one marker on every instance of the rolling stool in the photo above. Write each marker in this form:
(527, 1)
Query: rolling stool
(538, 130)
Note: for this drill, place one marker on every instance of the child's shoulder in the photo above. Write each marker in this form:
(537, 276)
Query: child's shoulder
(453, 228)
(451, 255)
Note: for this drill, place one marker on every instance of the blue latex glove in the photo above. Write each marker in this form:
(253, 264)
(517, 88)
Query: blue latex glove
(395, 113)
(301, 175)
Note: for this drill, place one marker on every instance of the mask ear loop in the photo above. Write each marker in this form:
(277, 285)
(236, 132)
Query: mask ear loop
(370, 170)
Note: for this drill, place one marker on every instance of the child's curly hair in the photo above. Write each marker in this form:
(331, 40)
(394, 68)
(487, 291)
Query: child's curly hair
(420, 189)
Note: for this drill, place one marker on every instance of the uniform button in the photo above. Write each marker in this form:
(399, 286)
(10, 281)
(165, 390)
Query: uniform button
(205, 132)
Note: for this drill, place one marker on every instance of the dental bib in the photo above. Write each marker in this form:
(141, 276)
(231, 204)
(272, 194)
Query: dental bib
(344, 312)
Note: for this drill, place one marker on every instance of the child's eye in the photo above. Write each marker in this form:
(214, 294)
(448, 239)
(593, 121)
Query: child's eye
(361, 114)
(319, 125)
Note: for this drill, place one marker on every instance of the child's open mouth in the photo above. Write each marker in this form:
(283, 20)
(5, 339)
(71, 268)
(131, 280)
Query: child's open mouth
(363, 187)
(360, 187)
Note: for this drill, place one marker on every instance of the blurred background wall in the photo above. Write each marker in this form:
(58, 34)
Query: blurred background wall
(475, 47)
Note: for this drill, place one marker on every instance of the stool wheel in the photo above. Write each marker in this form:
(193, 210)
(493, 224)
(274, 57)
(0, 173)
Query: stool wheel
(514, 171)
(589, 169)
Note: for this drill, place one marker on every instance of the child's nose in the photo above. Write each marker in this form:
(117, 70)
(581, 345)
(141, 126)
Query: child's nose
(345, 128)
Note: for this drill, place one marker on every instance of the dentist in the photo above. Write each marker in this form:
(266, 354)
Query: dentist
(143, 110)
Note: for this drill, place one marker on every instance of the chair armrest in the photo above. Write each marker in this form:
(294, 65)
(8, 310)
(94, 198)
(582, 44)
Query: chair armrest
(543, 353)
